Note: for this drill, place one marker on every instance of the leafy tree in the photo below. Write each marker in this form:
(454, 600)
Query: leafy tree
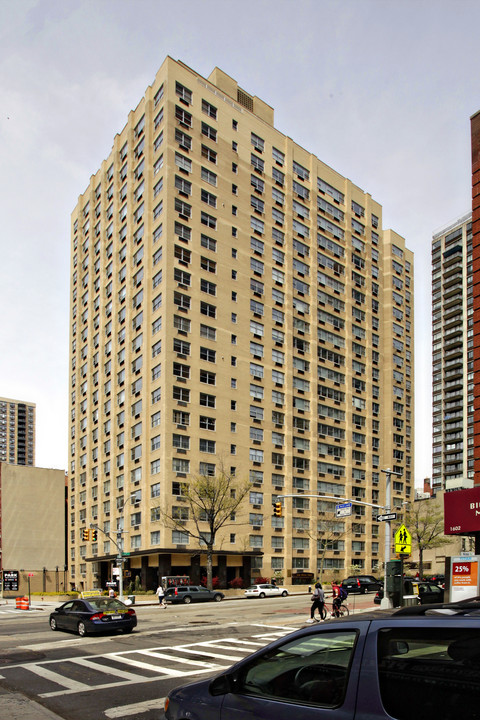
(211, 503)
(424, 521)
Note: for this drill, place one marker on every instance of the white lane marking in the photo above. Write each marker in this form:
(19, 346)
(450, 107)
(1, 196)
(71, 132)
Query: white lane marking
(108, 686)
(122, 711)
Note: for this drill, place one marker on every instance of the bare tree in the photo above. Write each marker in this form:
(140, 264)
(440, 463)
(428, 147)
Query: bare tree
(328, 531)
(211, 502)
(424, 520)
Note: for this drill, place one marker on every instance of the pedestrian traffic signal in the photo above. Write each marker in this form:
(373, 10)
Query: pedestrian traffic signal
(86, 534)
(94, 535)
(277, 509)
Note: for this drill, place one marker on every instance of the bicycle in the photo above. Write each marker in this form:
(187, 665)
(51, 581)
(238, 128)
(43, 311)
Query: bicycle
(330, 612)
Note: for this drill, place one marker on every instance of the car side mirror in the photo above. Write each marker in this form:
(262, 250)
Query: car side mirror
(398, 647)
(222, 685)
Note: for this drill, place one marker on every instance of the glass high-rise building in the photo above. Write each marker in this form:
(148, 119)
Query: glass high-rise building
(452, 317)
(234, 301)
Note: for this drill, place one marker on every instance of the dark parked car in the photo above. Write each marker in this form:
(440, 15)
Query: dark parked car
(191, 593)
(361, 584)
(93, 615)
(414, 664)
(427, 592)
(438, 580)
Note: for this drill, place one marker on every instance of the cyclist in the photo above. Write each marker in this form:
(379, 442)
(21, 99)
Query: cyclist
(339, 595)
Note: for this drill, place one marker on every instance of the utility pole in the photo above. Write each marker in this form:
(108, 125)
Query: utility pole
(386, 601)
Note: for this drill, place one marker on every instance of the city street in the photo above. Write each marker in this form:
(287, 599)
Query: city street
(127, 676)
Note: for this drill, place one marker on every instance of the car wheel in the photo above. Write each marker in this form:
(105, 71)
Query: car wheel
(53, 624)
(127, 631)
(82, 630)
(363, 590)
(217, 598)
(261, 595)
(284, 593)
(187, 599)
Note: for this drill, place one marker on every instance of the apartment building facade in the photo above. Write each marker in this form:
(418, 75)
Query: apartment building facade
(234, 302)
(452, 346)
(17, 432)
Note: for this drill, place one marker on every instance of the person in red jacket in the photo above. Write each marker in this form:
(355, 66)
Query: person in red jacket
(339, 595)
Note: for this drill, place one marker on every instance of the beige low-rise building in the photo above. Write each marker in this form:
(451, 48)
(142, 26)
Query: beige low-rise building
(32, 527)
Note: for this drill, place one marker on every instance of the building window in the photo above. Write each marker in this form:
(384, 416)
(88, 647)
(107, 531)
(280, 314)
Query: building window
(209, 109)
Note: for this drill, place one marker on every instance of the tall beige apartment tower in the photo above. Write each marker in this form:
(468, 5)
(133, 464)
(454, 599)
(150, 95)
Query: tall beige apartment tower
(17, 432)
(234, 302)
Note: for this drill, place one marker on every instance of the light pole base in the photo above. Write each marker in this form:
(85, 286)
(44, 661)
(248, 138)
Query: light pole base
(386, 603)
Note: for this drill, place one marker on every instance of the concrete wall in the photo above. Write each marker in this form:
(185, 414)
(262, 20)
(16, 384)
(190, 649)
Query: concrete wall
(32, 518)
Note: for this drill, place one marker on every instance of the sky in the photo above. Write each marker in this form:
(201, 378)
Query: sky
(380, 90)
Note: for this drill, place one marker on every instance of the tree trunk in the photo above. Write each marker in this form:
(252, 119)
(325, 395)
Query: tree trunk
(210, 567)
(420, 562)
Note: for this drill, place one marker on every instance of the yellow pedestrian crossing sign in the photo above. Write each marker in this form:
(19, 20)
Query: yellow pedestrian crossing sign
(403, 541)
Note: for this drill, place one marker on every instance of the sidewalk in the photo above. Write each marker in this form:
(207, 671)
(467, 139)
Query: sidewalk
(15, 706)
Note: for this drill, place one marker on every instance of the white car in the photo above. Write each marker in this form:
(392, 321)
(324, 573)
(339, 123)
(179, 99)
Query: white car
(265, 590)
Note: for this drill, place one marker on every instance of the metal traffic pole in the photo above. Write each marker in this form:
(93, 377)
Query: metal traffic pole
(386, 601)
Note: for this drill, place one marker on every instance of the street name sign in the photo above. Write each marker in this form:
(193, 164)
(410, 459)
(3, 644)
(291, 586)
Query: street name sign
(343, 510)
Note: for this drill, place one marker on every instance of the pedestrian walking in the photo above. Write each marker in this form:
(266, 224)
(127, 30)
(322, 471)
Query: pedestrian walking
(161, 596)
(111, 593)
(318, 602)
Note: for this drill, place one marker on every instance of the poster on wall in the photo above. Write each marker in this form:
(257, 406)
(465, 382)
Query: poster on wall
(10, 580)
(464, 577)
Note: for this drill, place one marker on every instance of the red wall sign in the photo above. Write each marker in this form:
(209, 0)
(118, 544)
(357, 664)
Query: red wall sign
(462, 511)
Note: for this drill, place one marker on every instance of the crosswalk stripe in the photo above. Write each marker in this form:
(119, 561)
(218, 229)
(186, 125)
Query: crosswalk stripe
(233, 658)
(177, 659)
(66, 683)
(83, 662)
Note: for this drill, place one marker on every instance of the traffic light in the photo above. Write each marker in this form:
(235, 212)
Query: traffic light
(86, 534)
(277, 509)
(94, 535)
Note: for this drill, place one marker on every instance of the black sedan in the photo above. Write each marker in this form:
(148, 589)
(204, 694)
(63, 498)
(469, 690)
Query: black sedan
(361, 584)
(426, 592)
(93, 615)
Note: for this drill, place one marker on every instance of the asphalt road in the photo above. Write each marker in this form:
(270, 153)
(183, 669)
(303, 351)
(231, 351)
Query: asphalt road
(127, 676)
